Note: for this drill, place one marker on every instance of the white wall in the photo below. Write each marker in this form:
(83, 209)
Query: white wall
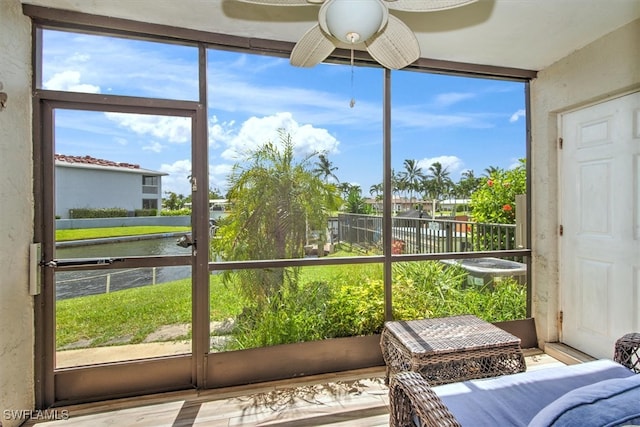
(606, 68)
(95, 188)
(16, 214)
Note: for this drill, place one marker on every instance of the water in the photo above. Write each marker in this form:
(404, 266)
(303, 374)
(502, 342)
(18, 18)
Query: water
(90, 282)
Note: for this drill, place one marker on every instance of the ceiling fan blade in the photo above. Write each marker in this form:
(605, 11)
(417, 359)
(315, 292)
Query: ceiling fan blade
(425, 5)
(283, 2)
(312, 48)
(395, 47)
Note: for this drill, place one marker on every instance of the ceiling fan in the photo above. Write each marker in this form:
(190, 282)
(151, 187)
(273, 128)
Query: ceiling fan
(351, 22)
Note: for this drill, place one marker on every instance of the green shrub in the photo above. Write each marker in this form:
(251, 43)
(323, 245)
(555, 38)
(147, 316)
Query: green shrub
(292, 315)
(146, 212)
(432, 289)
(78, 213)
(350, 302)
(357, 308)
(494, 202)
(177, 212)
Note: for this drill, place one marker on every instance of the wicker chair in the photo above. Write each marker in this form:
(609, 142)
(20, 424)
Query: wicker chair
(412, 399)
(627, 352)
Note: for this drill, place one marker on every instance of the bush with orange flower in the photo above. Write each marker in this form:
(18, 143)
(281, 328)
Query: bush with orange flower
(494, 201)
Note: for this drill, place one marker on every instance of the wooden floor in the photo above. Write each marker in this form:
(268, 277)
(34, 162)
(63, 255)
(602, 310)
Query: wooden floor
(357, 398)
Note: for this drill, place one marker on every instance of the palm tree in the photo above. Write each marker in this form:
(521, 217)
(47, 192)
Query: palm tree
(376, 189)
(344, 188)
(468, 184)
(325, 169)
(491, 170)
(412, 176)
(437, 184)
(441, 177)
(275, 198)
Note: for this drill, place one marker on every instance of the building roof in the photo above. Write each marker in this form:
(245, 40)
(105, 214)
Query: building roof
(89, 162)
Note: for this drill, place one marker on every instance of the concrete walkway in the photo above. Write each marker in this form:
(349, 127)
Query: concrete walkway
(168, 340)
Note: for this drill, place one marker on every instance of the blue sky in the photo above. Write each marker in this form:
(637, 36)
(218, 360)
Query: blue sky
(464, 123)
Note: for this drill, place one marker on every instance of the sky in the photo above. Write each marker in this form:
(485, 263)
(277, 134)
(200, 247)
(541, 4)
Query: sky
(463, 123)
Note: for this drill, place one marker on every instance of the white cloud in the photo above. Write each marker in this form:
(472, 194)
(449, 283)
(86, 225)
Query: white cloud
(515, 116)
(447, 99)
(123, 66)
(515, 163)
(69, 81)
(218, 173)
(415, 118)
(234, 93)
(171, 129)
(180, 170)
(451, 163)
(256, 131)
(178, 178)
(154, 146)
(220, 132)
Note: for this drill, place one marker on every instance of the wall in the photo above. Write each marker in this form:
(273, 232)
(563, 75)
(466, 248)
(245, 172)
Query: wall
(16, 215)
(166, 221)
(603, 69)
(94, 188)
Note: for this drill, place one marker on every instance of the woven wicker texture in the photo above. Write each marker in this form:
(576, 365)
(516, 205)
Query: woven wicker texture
(627, 351)
(312, 48)
(450, 349)
(410, 396)
(396, 46)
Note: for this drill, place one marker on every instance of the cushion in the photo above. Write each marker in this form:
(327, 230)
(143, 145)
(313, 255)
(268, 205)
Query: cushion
(514, 400)
(612, 402)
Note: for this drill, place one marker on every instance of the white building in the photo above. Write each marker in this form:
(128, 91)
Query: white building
(87, 182)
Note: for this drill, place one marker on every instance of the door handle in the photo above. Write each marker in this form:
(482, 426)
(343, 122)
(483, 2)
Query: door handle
(79, 261)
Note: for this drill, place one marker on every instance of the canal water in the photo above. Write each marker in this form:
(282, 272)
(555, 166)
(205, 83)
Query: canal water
(90, 282)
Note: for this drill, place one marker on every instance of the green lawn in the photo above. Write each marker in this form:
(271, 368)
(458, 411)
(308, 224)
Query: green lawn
(330, 301)
(96, 233)
(132, 314)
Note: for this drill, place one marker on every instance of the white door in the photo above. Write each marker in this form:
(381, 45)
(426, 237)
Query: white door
(600, 217)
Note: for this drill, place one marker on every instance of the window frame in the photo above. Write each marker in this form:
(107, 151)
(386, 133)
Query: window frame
(203, 363)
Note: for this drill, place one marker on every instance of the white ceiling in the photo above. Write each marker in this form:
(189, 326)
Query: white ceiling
(526, 34)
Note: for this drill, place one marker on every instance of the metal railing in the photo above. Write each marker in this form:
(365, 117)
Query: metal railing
(426, 235)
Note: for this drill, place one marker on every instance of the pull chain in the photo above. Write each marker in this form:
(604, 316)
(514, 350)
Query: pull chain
(353, 100)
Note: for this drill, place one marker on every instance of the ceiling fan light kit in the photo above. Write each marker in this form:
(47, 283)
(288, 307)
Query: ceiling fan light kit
(388, 40)
(353, 21)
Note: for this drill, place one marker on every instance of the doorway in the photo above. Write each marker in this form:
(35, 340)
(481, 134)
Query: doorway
(117, 313)
(600, 217)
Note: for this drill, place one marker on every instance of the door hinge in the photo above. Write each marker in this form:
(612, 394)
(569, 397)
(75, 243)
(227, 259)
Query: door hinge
(560, 142)
(561, 317)
(561, 229)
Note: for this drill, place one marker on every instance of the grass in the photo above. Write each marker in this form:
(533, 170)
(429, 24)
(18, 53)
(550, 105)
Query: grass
(132, 314)
(330, 301)
(96, 233)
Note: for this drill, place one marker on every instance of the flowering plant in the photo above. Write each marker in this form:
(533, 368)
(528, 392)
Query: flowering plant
(495, 201)
(397, 246)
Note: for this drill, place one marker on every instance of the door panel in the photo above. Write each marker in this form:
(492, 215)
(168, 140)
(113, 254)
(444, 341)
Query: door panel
(599, 248)
(118, 289)
(109, 177)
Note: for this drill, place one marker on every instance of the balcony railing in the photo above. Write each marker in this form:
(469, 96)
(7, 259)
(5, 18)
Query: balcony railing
(424, 235)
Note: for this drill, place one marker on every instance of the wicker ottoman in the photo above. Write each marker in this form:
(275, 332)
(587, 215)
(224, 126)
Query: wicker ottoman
(627, 351)
(450, 349)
